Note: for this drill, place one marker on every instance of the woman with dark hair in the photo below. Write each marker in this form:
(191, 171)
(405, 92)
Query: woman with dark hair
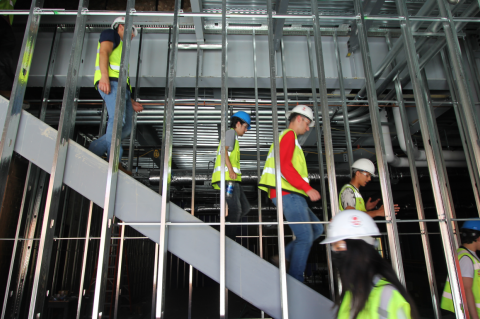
(370, 287)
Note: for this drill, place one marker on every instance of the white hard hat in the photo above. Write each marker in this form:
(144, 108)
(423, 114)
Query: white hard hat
(364, 164)
(303, 110)
(121, 20)
(351, 224)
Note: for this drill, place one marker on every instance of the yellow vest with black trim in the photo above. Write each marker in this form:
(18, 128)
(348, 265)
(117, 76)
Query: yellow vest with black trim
(447, 300)
(384, 302)
(234, 157)
(298, 160)
(114, 61)
(359, 202)
(8, 5)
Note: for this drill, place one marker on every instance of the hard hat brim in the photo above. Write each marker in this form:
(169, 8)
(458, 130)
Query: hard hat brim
(330, 240)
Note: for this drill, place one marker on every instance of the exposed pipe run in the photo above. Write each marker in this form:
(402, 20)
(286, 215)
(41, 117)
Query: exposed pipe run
(454, 161)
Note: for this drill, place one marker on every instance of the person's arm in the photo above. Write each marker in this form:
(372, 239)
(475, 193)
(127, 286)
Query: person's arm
(287, 147)
(472, 309)
(106, 48)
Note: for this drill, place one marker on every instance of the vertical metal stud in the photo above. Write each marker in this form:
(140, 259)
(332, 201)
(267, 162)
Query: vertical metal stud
(112, 176)
(379, 146)
(346, 123)
(166, 168)
(194, 167)
(416, 191)
(67, 117)
(320, 159)
(284, 76)
(14, 110)
(119, 271)
(224, 108)
(434, 159)
(84, 261)
(155, 278)
(278, 172)
(133, 133)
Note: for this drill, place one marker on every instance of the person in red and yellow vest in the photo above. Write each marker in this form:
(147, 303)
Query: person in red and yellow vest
(370, 287)
(107, 70)
(295, 189)
(470, 270)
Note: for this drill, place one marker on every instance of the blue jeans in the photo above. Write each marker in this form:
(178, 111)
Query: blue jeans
(103, 143)
(295, 209)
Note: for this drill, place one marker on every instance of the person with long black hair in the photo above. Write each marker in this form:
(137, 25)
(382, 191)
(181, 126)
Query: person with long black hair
(370, 287)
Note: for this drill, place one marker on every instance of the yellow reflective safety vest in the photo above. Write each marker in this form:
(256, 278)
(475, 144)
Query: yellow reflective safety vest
(234, 157)
(8, 5)
(267, 180)
(447, 300)
(114, 61)
(384, 302)
(359, 202)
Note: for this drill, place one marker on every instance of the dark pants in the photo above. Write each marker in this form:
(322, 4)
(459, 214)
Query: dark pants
(7, 62)
(238, 206)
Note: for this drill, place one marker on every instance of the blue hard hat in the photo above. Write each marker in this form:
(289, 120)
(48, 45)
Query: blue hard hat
(471, 224)
(244, 116)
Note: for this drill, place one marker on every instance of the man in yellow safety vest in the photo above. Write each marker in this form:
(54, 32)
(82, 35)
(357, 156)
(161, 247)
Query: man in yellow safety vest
(470, 270)
(107, 68)
(350, 197)
(295, 189)
(238, 205)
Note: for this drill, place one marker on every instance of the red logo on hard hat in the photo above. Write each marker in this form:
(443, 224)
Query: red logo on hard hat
(356, 221)
(303, 109)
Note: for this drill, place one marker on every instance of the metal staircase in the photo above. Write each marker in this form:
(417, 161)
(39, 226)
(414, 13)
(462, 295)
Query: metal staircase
(247, 275)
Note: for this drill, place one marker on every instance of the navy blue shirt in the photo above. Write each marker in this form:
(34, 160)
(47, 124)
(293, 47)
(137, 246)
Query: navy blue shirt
(110, 35)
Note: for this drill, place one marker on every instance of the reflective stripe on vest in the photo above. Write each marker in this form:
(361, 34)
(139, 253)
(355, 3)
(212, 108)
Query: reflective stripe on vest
(267, 180)
(8, 5)
(234, 157)
(114, 61)
(447, 298)
(384, 301)
(359, 202)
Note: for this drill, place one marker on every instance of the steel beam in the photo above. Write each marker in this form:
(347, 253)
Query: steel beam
(434, 159)
(14, 111)
(383, 173)
(198, 21)
(166, 167)
(111, 189)
(418, 196)
(278, 172)
(372, 7)
(54, 195)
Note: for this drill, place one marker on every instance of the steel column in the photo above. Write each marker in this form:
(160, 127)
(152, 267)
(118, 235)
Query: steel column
(346, 123)
(194, 160)
(112, 175)
(379, 146)
(166, 167)
(434, 159)
(284, 75)
(278, 172)
(81, 291)
(14, 110)
(320, 159)
(155, 278)
(133, 133)
(418, 197)
(49, 75)
(67, 118)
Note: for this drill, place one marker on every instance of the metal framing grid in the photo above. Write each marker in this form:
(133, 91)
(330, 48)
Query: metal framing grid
(55, 195)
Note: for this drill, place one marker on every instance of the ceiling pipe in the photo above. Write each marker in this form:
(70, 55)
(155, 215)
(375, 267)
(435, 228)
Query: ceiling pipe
(396, 161)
